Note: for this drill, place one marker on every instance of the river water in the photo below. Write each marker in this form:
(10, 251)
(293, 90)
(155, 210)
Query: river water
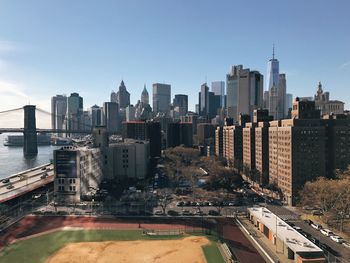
(13, 161)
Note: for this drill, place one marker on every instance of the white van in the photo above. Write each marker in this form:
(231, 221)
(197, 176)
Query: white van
(327, 232)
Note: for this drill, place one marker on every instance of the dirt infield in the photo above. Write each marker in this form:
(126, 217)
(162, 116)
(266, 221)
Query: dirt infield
(226, 228)
(160, 251)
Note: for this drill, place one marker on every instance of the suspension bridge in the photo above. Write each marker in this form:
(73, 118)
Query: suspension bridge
(24, 120)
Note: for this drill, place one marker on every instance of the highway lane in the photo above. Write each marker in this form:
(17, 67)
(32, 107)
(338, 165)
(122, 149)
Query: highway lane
(26, 181)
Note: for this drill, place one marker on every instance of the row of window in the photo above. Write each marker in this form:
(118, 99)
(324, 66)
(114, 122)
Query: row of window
(63, 180)
(61, 188)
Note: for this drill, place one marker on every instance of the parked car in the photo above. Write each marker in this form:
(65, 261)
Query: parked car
(186, 213)
(308, 221)
(297, 228)
(10, 186)
(173, 213)
(317, 213)
(181, 203)
(199, 213)
(158, 212)
(307, 235)
(327, 232)
(43, 169)
(314, 240)
(213, 213)
(346, 244)
(43, 176)
(337, 239)
(316, 226)
(5, 181)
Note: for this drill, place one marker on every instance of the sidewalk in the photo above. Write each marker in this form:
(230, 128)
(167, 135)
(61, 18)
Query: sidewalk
(275, 253)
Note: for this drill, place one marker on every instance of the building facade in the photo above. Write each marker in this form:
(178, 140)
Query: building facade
(127, 160)
(161, 98)
(77, 171)
(111, 116)
(58, 111)
(218, 87)
(123, 96)
(325, 105)
(244, 91)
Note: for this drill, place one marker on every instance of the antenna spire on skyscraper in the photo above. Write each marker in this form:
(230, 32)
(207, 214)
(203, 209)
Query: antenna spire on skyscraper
(273, 51)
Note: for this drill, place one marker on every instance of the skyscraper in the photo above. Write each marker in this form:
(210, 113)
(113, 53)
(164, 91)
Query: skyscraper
(218, 87)
(161, 97)
(276, 84)
(144, 96)
(180, 104)
(111, 116)
(74, 111)
(96, 115)
(58, 111)
(207, 104)
(244, 91)
(123, 96)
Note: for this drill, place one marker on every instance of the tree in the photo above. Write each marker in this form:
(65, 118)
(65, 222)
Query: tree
(164, 199)
(332, 196)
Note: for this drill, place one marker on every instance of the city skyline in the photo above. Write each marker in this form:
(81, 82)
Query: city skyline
(92, 62)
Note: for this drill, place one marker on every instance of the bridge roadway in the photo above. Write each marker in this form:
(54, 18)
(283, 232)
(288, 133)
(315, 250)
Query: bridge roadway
(25, 182)
(21, 130)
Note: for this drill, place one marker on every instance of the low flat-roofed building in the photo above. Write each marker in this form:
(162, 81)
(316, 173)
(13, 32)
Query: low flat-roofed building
(286, 239)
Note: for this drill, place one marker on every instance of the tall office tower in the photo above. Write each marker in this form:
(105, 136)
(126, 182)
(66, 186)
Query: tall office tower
(207, 104)
(289, 104)
(266, 99)
(161, 98)
(85, 121)
(144, 96)
(113, 96)
(203, 100)
(58, 111)
(74, 110)
(180, 104)
(111, 116)
(276, 84)
(96, 115)
(218, 87)
(123, 96)
(244, 91)
(130, 113)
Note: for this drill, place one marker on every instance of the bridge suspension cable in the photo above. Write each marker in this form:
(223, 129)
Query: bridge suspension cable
(7, 111)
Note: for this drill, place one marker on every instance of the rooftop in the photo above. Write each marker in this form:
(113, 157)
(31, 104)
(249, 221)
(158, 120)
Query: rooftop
(295, 241)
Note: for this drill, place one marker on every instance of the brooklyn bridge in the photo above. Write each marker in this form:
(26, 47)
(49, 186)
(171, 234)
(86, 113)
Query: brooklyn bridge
(24, 120)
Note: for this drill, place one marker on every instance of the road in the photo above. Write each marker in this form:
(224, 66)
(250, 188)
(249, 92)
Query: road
(291, 216)
(25, 182)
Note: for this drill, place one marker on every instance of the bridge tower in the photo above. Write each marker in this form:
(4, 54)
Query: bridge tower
(30, 146)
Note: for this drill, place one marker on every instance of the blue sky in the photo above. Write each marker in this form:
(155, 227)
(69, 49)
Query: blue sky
(59, 47)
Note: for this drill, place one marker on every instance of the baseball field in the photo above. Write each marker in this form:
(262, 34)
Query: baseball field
(73, 246)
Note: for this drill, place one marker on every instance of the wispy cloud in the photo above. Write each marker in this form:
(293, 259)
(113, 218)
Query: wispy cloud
(11, 89)
(8, 46)
(344, 65)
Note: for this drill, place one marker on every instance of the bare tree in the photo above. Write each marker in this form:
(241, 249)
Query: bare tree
(164, 199)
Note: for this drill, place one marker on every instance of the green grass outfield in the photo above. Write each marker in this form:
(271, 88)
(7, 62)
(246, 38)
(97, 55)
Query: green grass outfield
(38, 249)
